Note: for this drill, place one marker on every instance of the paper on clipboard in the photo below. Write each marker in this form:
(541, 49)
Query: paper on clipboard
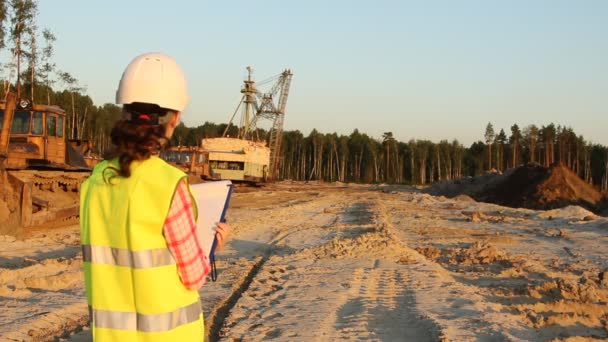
(212, 200)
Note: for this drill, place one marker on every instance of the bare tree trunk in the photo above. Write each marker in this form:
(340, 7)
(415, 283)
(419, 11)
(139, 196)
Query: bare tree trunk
(338, 171)
(578, 162)
(387, 161)
(73, 116)
(423, 169)
(402, 171)
(82, 124)
(376, 169)
(320, 163)
(412, 166)
(343, 169)
(303, 166)
(489, 156)
(354, 170)
(101, 142)
(448, 167)
(397, 169)
(312, 172)
(438, 166)
(500, 157)
(32, 80)
(357, 166)
(18, 45)
(397, 165)
(330, 172)
(587, 167)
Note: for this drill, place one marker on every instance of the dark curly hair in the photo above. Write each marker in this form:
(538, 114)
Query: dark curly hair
(139, 137)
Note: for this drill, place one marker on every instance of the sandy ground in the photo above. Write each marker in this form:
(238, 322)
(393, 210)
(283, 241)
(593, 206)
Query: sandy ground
(351, 262)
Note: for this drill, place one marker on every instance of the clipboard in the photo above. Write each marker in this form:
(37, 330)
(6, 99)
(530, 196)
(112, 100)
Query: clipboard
(212, 200)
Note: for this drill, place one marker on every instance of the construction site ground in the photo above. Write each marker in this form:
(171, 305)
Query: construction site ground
(328, 262)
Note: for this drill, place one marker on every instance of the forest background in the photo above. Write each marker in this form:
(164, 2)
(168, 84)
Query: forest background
(356, 157)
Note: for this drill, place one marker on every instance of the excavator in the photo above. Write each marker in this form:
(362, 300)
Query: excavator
(40, 169)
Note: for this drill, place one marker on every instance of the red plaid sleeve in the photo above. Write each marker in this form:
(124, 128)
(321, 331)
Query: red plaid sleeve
(180, 234)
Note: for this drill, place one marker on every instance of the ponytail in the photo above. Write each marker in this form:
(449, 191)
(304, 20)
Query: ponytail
(139, 136)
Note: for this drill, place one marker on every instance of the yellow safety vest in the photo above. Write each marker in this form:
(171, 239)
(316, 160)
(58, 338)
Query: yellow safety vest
(133, 288)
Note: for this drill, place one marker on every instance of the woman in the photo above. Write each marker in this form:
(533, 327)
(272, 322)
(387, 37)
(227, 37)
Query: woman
(143, 262)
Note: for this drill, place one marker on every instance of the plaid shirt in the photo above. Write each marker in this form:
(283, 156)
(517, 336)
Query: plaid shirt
(180, 234)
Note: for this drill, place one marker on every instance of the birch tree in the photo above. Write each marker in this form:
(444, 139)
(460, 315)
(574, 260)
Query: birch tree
(73, 87)
(32, 57)
(47, 67)
(23, 15)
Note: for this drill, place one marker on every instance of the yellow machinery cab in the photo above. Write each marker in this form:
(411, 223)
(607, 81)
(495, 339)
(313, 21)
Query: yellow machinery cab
(37, 135)
(192, 160)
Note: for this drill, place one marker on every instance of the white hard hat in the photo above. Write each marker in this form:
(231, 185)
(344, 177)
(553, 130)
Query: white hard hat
(153, 78)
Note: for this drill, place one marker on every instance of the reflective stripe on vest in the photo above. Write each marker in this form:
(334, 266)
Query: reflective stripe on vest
(124, 257)
(146, 323)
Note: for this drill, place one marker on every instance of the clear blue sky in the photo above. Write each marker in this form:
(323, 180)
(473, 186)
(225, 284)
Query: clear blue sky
(421, 69)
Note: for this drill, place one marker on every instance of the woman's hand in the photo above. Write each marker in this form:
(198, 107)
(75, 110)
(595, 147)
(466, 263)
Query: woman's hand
(222, 232)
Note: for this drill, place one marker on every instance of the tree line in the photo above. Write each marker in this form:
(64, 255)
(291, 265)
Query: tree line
(360, 158)
(546, 145)
(356, 157)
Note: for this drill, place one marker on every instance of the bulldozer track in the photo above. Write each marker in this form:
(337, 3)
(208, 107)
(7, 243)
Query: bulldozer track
(52, 180)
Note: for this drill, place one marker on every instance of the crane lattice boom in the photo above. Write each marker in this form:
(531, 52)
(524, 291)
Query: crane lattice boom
(265, 107)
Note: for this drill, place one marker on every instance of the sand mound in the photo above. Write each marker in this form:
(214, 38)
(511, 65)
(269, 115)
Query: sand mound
(476, 253)
(536, 187)
(569, 212)
(529, 186)
(464, 198)
(375, 243)
(466, 186)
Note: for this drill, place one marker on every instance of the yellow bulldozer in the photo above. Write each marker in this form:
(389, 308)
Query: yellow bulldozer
(40, 169)
(194, 161)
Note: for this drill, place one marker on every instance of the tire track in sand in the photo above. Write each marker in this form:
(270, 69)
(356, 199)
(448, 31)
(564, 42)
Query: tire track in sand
(381, 307)
(349, 288)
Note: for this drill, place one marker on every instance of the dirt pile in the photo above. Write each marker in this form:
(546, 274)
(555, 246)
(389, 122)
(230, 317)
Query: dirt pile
(467, 186)
(373, 243)
(477, 253)
(529, 186)
(536, 187)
